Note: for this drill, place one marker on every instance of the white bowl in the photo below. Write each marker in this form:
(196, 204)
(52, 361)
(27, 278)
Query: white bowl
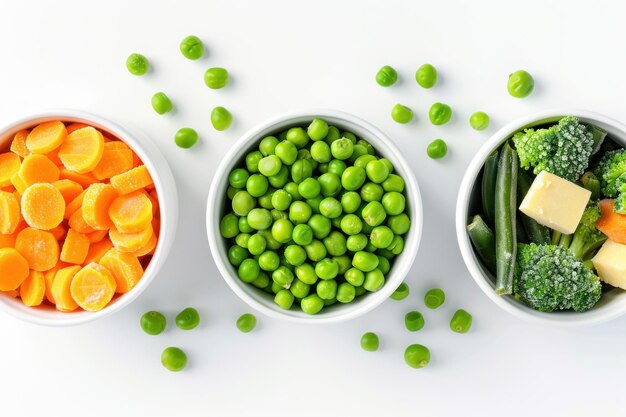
(612, 304)
(168, 202)
(216, 207)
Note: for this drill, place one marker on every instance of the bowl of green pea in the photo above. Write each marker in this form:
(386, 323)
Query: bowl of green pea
(314, 216)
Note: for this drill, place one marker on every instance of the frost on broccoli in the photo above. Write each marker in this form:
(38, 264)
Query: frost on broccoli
(620, 200)
(587, 238)
(611, 171)
(563, 149)
(549, 278)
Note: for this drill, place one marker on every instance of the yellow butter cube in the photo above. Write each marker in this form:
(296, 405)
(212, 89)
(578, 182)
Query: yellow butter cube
(610, 264)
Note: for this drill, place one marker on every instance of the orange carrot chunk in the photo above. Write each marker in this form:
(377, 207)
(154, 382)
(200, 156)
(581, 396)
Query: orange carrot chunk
(133, 180)
(33, 289)
(117, 158)
(125, 268)
(612, 224)
(76, 204)
(82, 150)
(69, 189)
(38, 247)
(97, 235)
(148, 249)
(13, 269)
(130, 242)
(75, 126)
(131, 213)
(9, 213)
(78, 223)
(96, 204)
(85, 180)
(60, 290)
(43, 206)
(37, 168)
(75, 248)
(18, 145)
(97, 251)
(9, 166)
(93, 287)
(46, 137)
(18, 183)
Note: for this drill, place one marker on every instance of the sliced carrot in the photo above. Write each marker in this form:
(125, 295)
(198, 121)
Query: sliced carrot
(69, 189)
(155, 202)
(12, 293)
(60, 290)
(10, 215)
(156, 226)
(612, 224)
(33, 289)
(117, 158)
(19, 183)
(78, 223)
(9, 166)
(97, 235)
(75, 126)
(125, 268)
(93, 287)
(7, 241)
(38, 247)
(43, 206)
(59, 232)
(75, 248)
(18, 145)
(131, 213)
(85, 180)
(13, 269)
(82, 150)
(97, 251)
(46, 137)
(54, 157)
(149, 248)
(76, 204)
(96, 204)
(38, 168)
(133, 180)
(130, 242)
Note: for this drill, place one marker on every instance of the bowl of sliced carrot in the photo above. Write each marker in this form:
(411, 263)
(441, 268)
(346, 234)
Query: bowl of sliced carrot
(88, 212)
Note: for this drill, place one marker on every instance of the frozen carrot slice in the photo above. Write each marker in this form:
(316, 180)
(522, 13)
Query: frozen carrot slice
(149, 248)
(82, 150)
(93, 287)
(54, 157)
(59, 232)
(18, 145)
(9, 166)
(96, 204)
(38, 247)
(97, 235)
(97, 251)
(75, 248)
(76, 204)
(75, 126)
(130, 242)
(38, 168)
(49, 276)
(155, 202)
(7, 241)
(12, 293)
(133, 180)
(85, 180)
(69, 189)
(46, 137)
(9, 213)
(43, 206)
(78, 223)
(13, 269)
(131, 213)
(125, 268)
(33, 289)
(117, 158)
(60, 290)
(156, 226)
(18, 183)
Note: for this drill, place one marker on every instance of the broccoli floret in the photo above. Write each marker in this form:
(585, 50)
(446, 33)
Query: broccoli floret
(549, 278)
(611, 171)
(620, 200)
(563, 149)
(587, 238)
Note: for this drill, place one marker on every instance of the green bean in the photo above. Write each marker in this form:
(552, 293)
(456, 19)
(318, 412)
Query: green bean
(506, 202)
(536, 232)
(490, 171)
(484, 241)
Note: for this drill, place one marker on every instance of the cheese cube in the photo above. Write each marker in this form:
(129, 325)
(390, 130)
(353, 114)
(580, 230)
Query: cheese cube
(610, 263)
(555, 202)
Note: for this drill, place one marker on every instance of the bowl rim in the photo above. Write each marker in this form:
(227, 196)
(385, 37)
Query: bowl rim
(400, 269)
(164, 183)
(514, 307)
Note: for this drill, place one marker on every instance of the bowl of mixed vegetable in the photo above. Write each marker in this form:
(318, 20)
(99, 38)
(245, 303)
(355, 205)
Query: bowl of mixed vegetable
(541, 217)
(314, 216)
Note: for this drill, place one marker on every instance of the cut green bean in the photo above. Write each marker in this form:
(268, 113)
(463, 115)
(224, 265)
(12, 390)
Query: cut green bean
(484, 241)
(506, 208)
(490, 171)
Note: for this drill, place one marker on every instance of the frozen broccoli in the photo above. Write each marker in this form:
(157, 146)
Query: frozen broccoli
(620, 200)
(611, 171)
(563, 149)
(549, 278)
(587, 238)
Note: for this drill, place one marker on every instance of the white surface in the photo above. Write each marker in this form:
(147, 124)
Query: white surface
(287, 55)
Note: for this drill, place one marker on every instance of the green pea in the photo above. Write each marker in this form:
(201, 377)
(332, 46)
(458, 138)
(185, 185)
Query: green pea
(244, 227)
(292, 189)
(370, 149)
(426, 76)
(173, 359)
(520, 84)
(401, 292)
(242, 240)
(364, 261)
(461, 321)
(363, 160)
(269, 261)
(479, 120)
(369, 342)
(326, 290)
(257, 185)
(351, 224)
(330, 184)
(298, 137)
(231, 191)
(238, 178)
(377, 171)
(316, 251)
(216, 78)
(393, 183)
(437, 149)
(137, 64)
(320, 225)
(359, 150)
(302, 234)
(312, 304)
(301, 170)
(283, 276)
(295, 255)
(336, 167)
(345, 293)
(306, 274)
(188, 319)
(401, 114)
(259, 218)
(342, 149)
(386, 76)
(191, 47)
(221, 118)
(248, 270)
(357, 242)
(236, 255)
(414, 321)
(299, 289)
(394, 203)
(270, 165)
(374, 280)
(344, 262)
(161, 103)
(284, 299)
(287, 152)
(417, 356)
(262, 282)
(396, 246)
(318, 129)
(282, 230)
(371, 192)
(434, 298)
(186, 137)
(268, 145)
(246, 322)
(280, 179)
(265, 200)
(326, 269)
(281, 200)
(314, 203)
(374, 213)
(257, 244)
(353, 178)
(320, 152)
(330, 207)
(252, 161)
(309, 188)
(350, 202)
(299, 212)
(439, 114)
(229, 226)
(385, 266)
(243, 203)
(355, 277)
(153, 323)
(333, 135)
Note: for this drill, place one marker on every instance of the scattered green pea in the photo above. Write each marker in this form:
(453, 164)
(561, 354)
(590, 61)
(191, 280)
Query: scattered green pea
(439, 114)
(386, 76)
(246, 323)
(370, 342)
(401, 114)
(174, 359)
(216, 78)
(417, 356)
(186, 137)
(437, 149)
(479, 120)
(434, 298)
(191, 47)
(188, 319)
(221, 118)
(414, 321)
(137, 64)
(520, 84)
(153, 323)
(461, 321)
(401, 292)
(161, 103)
(426, 76)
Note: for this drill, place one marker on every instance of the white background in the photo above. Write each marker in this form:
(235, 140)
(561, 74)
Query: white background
(284, 56)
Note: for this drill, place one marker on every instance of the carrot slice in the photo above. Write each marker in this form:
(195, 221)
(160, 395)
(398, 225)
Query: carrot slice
(117, 158)
(33, 289)
(133, 180)
(85, 180)
(60, 290)
(7, 241)
(38, 247)
(93, 287)
(43, 206)
(46, 137)
(75, 126)
(75, 248)
(59, 232)
(125, 268)
(97, 251)
(78, 223)
(130, 242)
(131, 213)
(155, 202)
(18, 183)
(38, 168)
(18, 145)
(13, 269)
(9, 213)
(82, 150)
(76, 204)
(69, 189)
(9, 166)
(612, 224)
(149, 248)
(97, 235)
(96, 204)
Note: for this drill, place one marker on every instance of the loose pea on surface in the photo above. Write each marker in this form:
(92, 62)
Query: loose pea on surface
(161, 103)
(221, 118)
(479, 120)
(401, 292)
(153, 323)
(426, 76)
(401, 114)
(216, 78)
(186, 137)
(174, 359)
(439, 113)
(137, 64)
(191, 47)
(461, 321)
(520, 84)
(386, 76)
(370, 342)
(437, 149)
(434, 298)
(414, 321)
(417, 356)
(246, 322)
(188, 319)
